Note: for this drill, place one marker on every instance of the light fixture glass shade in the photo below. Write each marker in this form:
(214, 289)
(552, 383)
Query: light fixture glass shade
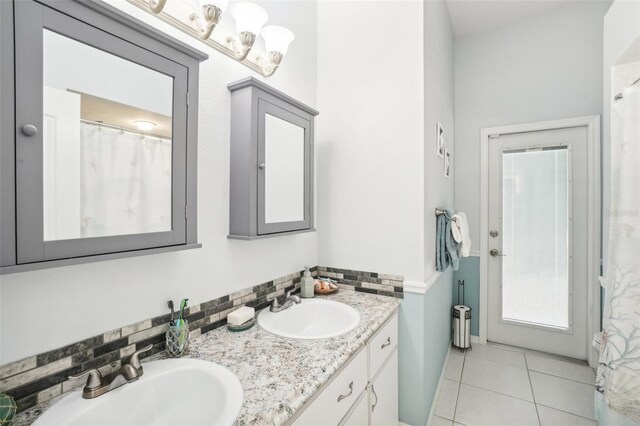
(277, 38)
(220, 4)
(249, 17)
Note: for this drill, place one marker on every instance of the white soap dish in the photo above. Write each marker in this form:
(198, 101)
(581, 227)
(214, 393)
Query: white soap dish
(242, 327)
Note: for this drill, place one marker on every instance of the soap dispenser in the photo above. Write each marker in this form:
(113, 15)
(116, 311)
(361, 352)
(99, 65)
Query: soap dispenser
(306, 284)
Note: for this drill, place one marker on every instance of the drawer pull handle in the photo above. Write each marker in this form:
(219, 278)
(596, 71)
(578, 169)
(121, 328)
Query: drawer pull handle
(388, 342)
(373, 406)
(341, 397)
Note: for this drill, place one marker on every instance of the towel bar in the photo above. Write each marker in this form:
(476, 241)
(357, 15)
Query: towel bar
(442, 212)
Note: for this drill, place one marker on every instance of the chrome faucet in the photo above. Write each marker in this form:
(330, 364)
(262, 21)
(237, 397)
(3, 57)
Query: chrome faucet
(97, 385)
(288, 301)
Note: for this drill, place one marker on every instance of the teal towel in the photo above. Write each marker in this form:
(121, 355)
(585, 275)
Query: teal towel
(442, 260)
(447, 249)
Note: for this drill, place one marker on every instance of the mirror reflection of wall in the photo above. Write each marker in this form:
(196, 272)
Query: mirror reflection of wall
(107, 143)
(284, 174)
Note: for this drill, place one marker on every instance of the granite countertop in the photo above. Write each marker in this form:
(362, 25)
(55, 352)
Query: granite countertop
(277, 374)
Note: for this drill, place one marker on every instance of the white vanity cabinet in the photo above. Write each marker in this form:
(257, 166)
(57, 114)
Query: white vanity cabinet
(365, 390)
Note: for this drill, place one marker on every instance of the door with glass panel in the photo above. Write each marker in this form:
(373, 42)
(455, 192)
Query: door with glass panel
(538, 241)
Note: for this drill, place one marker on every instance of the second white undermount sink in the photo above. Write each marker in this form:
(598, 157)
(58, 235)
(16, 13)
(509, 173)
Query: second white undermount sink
(311, 319)
(170, 392)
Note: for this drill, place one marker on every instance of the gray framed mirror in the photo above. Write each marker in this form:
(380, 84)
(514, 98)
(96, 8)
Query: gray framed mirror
(284, 151)
(105, 138)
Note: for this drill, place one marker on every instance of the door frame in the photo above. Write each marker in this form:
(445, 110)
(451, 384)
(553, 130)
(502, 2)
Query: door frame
(592, 123)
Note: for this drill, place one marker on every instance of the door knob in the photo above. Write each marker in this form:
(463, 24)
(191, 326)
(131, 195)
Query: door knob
(495, 253)
(29, 130)
(261, 166)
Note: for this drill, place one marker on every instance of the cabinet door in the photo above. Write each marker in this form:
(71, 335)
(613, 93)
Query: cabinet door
(88, 180)
(360, 414)
(284, 176)
(383, 394)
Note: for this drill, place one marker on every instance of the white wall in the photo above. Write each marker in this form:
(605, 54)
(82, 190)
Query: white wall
(438, 107)
(43, 310)
(545, 68)
(369, 138)
(380, 93)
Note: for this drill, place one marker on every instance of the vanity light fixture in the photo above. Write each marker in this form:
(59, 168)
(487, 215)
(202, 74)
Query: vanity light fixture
(212, 11)
(250, 18)
(145, 126)
(277, 40)
(156, 6)
(199, 19)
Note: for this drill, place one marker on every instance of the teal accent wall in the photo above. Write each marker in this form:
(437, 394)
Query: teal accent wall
(437, 331)
(411, 360)
(425, 335)
(469, 271)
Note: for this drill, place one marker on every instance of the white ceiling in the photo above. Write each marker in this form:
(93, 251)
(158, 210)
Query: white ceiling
(473, 16)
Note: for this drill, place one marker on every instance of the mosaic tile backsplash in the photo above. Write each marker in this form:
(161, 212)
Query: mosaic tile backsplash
(37, 379)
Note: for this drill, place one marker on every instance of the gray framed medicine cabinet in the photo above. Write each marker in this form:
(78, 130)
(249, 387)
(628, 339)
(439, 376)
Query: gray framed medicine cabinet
(98, 135)
(271, 183)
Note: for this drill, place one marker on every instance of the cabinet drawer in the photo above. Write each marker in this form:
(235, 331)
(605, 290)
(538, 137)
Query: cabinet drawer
(337, 398)
(382, 345)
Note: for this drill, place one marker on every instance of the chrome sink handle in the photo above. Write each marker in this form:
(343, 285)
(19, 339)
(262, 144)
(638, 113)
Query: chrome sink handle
(129, 372)
(94, 378)
(134, 361)
(287, 301)
(295, 298)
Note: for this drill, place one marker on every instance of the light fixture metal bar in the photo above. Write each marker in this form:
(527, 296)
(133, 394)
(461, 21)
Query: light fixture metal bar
(185, 28)
(122, 129)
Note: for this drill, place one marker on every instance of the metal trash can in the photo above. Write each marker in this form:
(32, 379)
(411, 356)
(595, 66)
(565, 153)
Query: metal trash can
(461, 322)
(461, 326)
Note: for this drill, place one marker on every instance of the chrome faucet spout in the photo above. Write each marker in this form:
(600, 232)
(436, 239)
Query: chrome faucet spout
(97, 385)
(288, 301)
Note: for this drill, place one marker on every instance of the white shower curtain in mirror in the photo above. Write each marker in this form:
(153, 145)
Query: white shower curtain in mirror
(125, 182)
(618, 380)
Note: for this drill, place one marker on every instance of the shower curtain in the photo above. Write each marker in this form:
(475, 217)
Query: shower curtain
(617, 396)
(125, 183)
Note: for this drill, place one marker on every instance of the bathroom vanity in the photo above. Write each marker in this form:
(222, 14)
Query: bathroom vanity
(364, 390)
(303, 382)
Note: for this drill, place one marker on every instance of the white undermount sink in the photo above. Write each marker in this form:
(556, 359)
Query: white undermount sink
(170, 392)
(310, 319)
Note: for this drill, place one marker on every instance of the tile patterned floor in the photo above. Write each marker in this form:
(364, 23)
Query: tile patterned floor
(499, 386)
